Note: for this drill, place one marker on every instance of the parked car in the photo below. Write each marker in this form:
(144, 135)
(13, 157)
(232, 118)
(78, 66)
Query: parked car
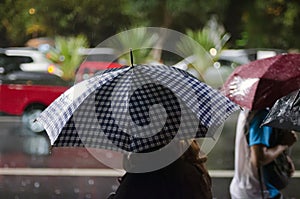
(96, 59)
(26, 59)
(27, 94)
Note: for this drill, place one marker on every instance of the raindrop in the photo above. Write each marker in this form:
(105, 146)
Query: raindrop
(62, 58)
(76, 190)
(91, 182)
(36, 184)
(88, 196)
(114, 187)
(109, 155)
(23, 183)
(281, 120)
(57, 191)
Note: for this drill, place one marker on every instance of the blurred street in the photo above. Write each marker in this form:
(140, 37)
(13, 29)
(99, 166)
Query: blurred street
(247, 50)
(29, 171)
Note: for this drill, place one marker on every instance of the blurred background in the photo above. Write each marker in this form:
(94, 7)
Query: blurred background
(47, 46)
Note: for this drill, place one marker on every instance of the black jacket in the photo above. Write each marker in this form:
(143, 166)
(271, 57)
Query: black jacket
(179, 180)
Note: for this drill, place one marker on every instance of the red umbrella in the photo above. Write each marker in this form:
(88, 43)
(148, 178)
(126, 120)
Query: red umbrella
(260, 83)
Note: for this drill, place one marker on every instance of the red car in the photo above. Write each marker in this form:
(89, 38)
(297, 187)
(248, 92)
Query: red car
(27, 94)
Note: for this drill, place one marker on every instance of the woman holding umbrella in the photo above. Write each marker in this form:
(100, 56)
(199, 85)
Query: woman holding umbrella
(185, 178)
(142, 111)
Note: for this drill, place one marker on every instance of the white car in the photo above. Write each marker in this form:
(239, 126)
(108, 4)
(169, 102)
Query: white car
(31, 60)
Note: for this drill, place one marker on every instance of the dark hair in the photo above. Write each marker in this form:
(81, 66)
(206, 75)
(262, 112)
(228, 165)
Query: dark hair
(192, 154)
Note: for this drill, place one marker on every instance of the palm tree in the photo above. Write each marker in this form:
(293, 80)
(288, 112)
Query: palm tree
(139, 40)
(203, 46)
(66, 53)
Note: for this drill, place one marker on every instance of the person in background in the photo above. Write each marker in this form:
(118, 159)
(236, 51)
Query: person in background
(252, 151)
(185, 178)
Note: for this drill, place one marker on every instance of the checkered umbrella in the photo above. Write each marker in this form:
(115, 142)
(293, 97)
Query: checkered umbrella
(135, 109)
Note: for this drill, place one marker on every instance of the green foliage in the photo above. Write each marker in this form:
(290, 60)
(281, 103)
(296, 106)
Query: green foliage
(178, 15)
(252, 23)
(137, 39)
(240, 43)
(95, 19)
(204, 45)
(16, 20)
(66, 53)
(200, 59)
(272, 24)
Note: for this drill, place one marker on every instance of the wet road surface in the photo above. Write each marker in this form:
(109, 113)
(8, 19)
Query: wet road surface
(28, 170)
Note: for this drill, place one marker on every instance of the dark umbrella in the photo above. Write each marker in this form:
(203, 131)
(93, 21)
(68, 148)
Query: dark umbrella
(135, 109)
(260, 83)
(285, 113)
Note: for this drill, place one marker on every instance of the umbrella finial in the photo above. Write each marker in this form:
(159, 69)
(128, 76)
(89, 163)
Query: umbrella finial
(131, 56)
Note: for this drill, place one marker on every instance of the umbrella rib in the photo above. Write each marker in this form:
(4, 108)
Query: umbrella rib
(295, 99)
